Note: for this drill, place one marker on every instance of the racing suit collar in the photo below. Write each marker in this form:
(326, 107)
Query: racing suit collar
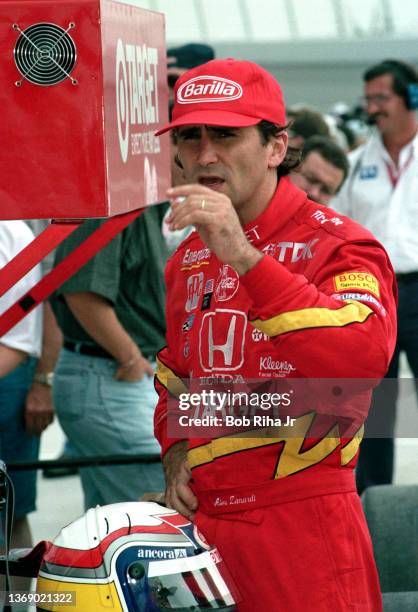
(284, 204)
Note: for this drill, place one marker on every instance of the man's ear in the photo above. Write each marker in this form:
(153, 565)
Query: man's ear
(278, 145)
(177, 161)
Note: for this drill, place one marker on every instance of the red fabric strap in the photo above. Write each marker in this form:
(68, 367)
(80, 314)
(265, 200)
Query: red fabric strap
(66, 268)
(395, 175)
(33, 253)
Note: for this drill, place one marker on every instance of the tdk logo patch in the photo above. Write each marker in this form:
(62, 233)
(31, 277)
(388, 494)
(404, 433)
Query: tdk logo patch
(368, 172)
(208, 89)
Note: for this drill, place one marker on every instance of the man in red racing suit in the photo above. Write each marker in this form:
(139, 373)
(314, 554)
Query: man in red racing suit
(294, 291)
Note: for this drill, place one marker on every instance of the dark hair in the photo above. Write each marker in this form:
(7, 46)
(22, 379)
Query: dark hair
(190, 55)
(268, 131)
(329, 150)
(403, 74)
(306, 123)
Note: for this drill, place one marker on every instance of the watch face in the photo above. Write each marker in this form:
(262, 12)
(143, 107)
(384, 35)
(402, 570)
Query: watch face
(46, 378)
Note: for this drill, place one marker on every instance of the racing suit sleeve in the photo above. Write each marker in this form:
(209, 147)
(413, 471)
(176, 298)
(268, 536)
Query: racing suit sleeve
(342, 319)
(168, 381)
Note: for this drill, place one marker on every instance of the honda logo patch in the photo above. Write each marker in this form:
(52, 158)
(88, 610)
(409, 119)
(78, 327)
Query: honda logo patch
(221, 340)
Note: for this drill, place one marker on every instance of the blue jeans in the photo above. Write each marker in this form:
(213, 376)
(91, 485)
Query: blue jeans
(15, 443)
(103, 416)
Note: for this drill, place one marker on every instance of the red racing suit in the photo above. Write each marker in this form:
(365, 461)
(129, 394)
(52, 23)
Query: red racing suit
(320, 304)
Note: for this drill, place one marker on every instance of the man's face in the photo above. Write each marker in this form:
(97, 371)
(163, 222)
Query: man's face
(384, 105)
(232, 161)
(318, 177)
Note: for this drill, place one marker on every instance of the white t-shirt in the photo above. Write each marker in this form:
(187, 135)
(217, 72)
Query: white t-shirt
(387, 207)
(27, 334)
(174, 238)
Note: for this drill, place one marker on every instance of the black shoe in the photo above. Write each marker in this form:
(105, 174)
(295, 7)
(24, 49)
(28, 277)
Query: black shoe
(60, 471)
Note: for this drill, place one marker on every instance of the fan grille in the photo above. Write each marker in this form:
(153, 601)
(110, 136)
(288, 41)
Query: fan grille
(45, 54)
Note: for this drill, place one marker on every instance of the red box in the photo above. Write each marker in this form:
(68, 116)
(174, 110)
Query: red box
(83, 89)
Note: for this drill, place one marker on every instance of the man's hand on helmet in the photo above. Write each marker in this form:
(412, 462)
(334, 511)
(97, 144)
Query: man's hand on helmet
(178, 493)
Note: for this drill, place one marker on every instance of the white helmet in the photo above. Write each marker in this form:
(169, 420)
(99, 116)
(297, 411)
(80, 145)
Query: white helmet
(133, 557)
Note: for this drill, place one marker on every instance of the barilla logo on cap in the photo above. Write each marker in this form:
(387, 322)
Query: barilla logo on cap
(208, 89)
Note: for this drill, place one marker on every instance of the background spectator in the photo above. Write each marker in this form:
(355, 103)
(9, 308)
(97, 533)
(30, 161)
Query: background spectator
(111, 314)
(323, 169)
(381, 192)
(19, 349)
(39, 398)
(180, 59)
(305, 123)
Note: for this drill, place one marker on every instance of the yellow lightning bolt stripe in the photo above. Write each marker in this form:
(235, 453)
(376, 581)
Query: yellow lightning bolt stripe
(220, 447)
(170, 380)
(310, 318)
(291, 460)
(349, 451)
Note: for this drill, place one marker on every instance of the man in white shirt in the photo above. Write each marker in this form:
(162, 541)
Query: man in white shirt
(19, 349)
(381, 193)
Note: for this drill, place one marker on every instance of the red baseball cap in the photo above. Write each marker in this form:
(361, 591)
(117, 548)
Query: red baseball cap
(227, 92)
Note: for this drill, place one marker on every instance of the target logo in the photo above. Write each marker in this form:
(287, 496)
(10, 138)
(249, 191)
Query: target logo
(122, 100)
(136, 90)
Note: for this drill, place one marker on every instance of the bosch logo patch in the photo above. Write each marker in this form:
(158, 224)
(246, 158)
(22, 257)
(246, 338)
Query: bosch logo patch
(208, 88)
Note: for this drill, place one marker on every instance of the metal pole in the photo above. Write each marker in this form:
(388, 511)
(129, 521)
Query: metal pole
(339, 18)
(388, 22)
(93, 461)
(291, 18)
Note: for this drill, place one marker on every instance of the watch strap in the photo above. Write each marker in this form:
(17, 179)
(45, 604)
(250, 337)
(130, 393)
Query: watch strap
(44, 378)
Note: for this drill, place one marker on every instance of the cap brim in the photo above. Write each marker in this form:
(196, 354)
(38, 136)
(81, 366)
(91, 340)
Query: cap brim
(210, 117)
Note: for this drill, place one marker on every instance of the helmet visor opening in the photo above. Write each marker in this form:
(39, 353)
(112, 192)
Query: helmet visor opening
(191, 583)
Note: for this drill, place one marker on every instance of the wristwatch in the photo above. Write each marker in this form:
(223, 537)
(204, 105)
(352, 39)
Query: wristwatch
(44, 378)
